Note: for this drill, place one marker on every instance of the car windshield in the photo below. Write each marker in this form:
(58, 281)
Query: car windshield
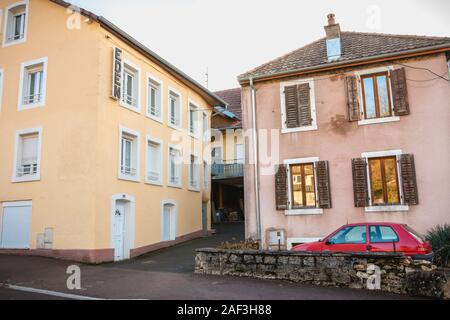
(415, 234)
(347, 235)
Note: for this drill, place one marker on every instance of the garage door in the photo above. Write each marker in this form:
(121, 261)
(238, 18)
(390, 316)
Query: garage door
(15, 225)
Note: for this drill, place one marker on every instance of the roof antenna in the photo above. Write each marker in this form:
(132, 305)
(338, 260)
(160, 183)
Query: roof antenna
(207, 77)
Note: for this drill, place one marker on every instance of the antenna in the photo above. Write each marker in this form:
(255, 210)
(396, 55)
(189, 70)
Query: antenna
(207, 77)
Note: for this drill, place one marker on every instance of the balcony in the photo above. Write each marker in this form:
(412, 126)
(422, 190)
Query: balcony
(225, 171)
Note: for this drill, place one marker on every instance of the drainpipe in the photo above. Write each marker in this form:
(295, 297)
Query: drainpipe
(256, 165)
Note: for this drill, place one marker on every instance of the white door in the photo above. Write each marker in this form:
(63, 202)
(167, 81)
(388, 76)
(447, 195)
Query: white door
(169, 222)
(119, 226)
(15, 226)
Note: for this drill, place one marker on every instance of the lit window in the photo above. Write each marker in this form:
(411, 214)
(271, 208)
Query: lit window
(303, 186)
(384, 181)
(16, 24)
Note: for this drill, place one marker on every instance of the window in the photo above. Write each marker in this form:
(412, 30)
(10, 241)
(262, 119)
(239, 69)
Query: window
(154, 161)
(15, 23)
(27, 155)
(193, 173)
(193, 119)
(175, 162)
(174, 109)
(154, 98)
(33, 84)
(303, 186)
(380, 234)
(205, 175)
(130, 87)
(384, 181)
(129, 155)
(1, 87)
(376, 95)
(205, 127)
(239, 153)
(298, 106)
(216, 155)
(349, 235)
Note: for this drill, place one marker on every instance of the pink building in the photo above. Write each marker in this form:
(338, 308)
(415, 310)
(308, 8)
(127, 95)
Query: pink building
(358, 125)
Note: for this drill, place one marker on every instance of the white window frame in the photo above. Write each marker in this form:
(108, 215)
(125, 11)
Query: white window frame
(388, 208)
(127, 64)
(195, 175)
(7, 43)
(23, 71)
(150, 139)
(123, 176)
(196, 107)
(151, 81)
(172, 92)
(178, 185)
(29, 178)
(2, 80)
(362, 73)
(307, 211)
(313, 125)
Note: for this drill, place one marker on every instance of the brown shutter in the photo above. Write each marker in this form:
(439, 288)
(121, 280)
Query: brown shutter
(409, 183)
(399, 92)
(360, 190)
(352, 99)
(281, 196)
(323, 185)
(304, 102)
(291, 100)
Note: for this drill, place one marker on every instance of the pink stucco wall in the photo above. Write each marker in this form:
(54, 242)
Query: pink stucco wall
(424, 133)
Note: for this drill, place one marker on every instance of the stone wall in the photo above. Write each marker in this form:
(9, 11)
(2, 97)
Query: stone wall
(377, 271)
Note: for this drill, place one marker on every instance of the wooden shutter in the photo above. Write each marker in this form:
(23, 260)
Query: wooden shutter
(409, 183)
(281, 196)
(304, 102)
(354, 112)
(399, 92)
(291, 101)
(323, 184)
(360, 189)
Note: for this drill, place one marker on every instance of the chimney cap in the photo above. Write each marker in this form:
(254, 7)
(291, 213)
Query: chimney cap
(331, 19)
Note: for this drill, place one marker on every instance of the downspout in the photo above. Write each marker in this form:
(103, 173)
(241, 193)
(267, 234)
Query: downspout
(256, 164)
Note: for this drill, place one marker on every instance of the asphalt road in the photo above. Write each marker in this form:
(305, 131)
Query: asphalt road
(165, 274)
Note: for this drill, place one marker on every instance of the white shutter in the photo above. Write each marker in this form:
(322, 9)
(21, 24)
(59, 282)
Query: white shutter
(29, 149)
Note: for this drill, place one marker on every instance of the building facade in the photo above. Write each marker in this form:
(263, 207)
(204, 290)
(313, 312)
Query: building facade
(362, 125)
(105, 151)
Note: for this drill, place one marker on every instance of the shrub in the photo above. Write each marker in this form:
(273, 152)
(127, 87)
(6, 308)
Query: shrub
(248, 244)
(439, 238)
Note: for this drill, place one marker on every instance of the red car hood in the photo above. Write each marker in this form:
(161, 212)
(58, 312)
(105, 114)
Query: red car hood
(313, 246)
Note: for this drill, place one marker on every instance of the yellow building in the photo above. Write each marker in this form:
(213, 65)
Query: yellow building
(104, 145)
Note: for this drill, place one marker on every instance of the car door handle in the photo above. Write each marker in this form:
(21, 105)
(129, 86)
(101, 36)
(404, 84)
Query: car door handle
(368, 248)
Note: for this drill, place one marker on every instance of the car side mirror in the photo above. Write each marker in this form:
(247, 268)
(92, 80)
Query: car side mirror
(328, 242)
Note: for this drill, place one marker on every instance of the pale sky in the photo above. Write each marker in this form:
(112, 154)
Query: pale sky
(230, 37)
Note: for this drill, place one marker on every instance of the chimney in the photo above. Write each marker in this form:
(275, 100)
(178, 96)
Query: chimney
(333, 32)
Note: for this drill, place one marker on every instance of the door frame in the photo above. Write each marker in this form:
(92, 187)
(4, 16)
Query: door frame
(15, 204)
(129, 223)
(173, 223)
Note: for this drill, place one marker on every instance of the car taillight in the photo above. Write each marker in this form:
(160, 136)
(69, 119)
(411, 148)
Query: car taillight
(425, 247)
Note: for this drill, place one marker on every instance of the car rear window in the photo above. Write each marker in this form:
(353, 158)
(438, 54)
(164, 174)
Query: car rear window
(415, 234)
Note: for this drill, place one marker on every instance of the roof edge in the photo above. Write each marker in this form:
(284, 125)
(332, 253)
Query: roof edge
(244, 79)
(108, 25)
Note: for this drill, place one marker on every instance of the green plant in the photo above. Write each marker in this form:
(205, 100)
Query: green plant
(439, 238)
(248, 244)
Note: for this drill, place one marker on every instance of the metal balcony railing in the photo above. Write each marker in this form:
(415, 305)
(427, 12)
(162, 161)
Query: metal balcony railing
(223, 171)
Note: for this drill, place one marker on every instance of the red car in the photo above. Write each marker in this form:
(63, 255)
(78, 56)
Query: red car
(373, 237)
